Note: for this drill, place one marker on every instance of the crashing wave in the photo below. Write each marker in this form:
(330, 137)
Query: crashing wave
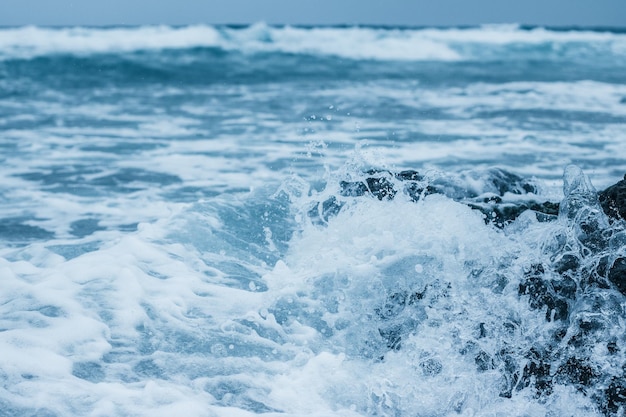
(576, 283)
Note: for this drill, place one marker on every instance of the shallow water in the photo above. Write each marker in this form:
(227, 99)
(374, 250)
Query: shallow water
(175, 237)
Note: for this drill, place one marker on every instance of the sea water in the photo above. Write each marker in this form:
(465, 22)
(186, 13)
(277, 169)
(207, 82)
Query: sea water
(175, 239)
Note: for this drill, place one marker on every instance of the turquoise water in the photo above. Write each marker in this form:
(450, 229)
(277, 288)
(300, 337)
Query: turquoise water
(164, 248)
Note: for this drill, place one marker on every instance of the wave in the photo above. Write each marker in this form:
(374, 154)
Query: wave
(352, 42)
(402, 302)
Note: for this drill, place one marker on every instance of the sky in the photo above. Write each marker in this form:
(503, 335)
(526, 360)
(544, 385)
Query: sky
(386, 12)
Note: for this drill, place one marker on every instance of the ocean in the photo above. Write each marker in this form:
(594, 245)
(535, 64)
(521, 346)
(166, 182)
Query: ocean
(312, 221)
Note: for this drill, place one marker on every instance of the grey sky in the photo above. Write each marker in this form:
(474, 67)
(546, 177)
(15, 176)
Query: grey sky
(403, 12)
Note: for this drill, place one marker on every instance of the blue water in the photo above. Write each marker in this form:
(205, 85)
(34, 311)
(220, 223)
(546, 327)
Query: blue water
(175, 238)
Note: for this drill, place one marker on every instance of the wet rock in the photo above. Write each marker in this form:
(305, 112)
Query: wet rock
(614, 401)
(320, 213)
(565, 287)
(543, 293)
(511, 375)
(617, 274)
(581, 210)
(507, 182)
(398, 317)
(483, 361)
(576, 371)
(580, 195)
(409, 175)
(537, 373)
(566, 263)
(500, 213)
(495, 183)
(613, 200)
(378, 184)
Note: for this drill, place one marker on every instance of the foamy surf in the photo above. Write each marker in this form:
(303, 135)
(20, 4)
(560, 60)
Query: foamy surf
(404, 44)
(219, 221)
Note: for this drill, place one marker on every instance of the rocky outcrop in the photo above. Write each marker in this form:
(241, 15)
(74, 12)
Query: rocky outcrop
(503, 196)
(578, 286)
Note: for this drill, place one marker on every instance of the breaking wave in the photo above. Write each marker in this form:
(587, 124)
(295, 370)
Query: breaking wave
(404, 44)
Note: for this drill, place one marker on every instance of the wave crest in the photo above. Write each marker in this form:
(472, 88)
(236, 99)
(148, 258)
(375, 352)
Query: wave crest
(370, 43)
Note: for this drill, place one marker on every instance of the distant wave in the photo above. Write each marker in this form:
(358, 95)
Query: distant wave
(351, 42)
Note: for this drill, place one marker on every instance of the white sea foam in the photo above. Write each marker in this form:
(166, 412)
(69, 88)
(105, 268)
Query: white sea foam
(350, 42)
(140, 328)
(35, 41)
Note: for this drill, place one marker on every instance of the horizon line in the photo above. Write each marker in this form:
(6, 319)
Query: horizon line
(522, 26)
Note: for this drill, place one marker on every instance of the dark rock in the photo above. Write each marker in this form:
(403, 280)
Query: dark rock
(565, 287)
(559, 334)
(511, 375)
(500, 213)
(482, 332)
(321, 212)
(380, 184)
(507, 182)
(381, 188)
(584, 332)
(409, 175)
(613, 200)
(383, 184)
(377, 184)
(615, 397)
(567, 263)
(576, 371)
(600, 276)
(537, 373)
(534, 285)
(483, 361)
(353, 189)
(617, 274)
(542, 293)
(591, 325)
(417, 191)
